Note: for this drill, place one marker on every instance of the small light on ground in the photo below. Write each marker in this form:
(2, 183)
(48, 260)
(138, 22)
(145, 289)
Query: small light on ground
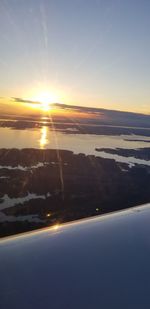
(48, 215)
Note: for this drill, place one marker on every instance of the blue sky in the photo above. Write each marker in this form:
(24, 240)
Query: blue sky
(90, 52)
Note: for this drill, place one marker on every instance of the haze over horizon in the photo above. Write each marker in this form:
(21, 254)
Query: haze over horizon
(20, 106)
(84, 53)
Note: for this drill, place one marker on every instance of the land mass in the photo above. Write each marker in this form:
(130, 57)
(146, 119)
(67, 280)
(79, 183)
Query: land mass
(41, 188)
(140, 153)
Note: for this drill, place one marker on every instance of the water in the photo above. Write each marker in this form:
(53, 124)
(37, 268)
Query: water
(78, 143)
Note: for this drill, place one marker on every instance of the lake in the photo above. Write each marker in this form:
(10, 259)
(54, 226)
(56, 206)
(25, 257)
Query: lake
(78, 143)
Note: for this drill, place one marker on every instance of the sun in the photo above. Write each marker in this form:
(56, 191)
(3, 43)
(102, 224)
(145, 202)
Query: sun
(45, 99)
(45, 105)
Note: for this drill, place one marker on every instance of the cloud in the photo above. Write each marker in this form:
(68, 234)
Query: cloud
(81, 109)
(24, 101)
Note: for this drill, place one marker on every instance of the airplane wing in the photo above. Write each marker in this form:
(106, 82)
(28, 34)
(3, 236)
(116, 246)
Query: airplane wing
(101, 262)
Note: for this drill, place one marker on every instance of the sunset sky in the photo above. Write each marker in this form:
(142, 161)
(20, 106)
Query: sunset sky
(83, 52)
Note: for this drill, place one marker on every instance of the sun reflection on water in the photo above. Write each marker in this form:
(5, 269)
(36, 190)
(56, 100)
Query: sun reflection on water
(43, 139)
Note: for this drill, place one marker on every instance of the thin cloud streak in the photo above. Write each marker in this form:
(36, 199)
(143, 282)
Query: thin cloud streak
(20, 100)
